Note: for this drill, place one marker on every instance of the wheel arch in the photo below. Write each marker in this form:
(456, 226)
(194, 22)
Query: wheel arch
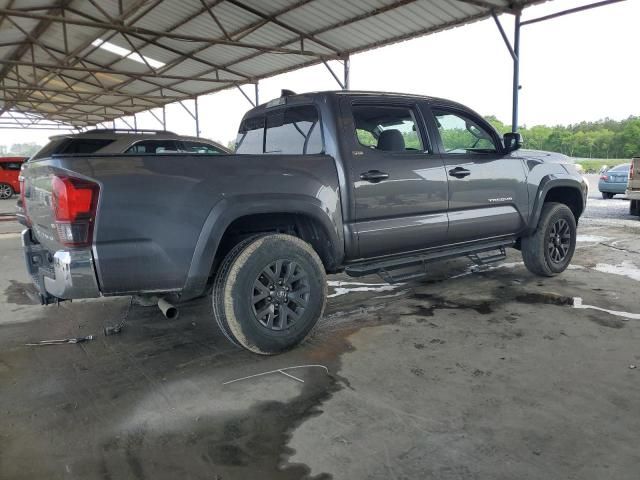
(567, 191)
(235, 218)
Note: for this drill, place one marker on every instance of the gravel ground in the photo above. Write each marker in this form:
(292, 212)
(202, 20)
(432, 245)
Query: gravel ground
(616, 208)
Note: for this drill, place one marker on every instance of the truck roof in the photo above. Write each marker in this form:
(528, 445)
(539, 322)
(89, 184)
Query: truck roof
(310, 97)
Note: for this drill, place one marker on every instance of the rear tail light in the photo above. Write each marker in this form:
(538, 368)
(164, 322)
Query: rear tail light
(634, 164)
(604, 177)
(74, 208)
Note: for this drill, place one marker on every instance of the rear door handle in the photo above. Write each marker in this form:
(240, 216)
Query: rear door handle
(459, 172)
(374, 176)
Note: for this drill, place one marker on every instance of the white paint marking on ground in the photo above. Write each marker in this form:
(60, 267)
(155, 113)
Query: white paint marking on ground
(591, 238)
(343, 291)
(4, 236)
(625, 269)
(577, 303)
(575, 267)
(341, 283)
(343, 288)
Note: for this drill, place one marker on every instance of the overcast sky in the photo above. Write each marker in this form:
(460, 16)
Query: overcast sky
(579, 67)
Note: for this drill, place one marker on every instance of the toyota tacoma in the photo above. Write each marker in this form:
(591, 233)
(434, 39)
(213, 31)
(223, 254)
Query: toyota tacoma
(320, 183)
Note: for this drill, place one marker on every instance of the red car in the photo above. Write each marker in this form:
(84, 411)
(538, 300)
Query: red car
(9, 172)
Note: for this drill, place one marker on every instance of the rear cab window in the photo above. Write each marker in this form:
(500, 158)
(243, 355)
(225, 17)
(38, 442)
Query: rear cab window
(294, 130)
(250, 139)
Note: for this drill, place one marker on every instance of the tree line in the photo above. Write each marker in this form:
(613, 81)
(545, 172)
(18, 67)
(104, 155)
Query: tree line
(600, 139)
(20, 149)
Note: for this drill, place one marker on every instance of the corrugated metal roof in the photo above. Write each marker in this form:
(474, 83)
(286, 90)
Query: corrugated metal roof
(54, 68)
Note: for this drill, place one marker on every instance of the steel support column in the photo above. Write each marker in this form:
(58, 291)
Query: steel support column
(516, 73)
(347, 67)
(192, 114)
(344, 83)
(164, 118)
(514, 51)
(244, 94)
(197, 117)
(257, 94)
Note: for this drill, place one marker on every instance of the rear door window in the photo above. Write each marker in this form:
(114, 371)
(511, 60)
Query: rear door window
(293, 131)
(387, 128)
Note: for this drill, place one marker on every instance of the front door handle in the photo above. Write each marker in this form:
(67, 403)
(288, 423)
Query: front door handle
(459, 172)
(374, 176)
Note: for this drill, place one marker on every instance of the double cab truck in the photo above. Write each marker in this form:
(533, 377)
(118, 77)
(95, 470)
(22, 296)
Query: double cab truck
(320, 183)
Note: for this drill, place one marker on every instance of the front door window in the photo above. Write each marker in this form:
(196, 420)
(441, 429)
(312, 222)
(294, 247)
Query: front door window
(461, 134)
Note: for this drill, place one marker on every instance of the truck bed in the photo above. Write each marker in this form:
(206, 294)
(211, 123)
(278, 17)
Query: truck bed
(156, 212)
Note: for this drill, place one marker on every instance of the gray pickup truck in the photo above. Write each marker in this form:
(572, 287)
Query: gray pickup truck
(320, 183)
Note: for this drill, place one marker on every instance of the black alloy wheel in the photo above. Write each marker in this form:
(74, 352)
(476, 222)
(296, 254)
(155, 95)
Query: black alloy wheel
(559, 242)
(280, 294)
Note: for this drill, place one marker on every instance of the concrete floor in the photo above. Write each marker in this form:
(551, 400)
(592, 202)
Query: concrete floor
(492, 374)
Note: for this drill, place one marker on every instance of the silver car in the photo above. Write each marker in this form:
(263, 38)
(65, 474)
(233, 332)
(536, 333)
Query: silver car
(127, 141)
(614, 181)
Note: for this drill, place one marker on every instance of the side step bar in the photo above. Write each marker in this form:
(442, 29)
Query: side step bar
(493, 252)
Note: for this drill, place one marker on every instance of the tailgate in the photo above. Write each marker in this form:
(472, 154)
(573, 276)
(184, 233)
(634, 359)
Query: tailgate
(634, 175)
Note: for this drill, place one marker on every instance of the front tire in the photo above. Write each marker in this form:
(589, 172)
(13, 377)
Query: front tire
(549, 250)
(607, 195)
(6, 191)
(269, 293)
(634, 208)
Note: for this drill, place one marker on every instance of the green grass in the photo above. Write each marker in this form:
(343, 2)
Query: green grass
(593, 165)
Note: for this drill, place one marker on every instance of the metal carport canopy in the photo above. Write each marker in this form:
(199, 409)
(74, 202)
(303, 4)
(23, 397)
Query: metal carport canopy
(79, 63)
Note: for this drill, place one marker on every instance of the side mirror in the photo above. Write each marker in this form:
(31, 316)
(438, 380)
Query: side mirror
(512, 141)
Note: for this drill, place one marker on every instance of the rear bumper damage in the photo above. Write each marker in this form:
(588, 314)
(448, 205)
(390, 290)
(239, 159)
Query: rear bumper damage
(62, 275)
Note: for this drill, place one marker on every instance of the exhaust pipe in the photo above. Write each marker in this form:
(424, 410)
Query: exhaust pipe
(167, 309)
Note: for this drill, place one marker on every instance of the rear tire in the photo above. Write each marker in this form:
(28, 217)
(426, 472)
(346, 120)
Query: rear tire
(634, 208)
(607, 195)
(6, 191)
(269, 293)
(549, 250)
